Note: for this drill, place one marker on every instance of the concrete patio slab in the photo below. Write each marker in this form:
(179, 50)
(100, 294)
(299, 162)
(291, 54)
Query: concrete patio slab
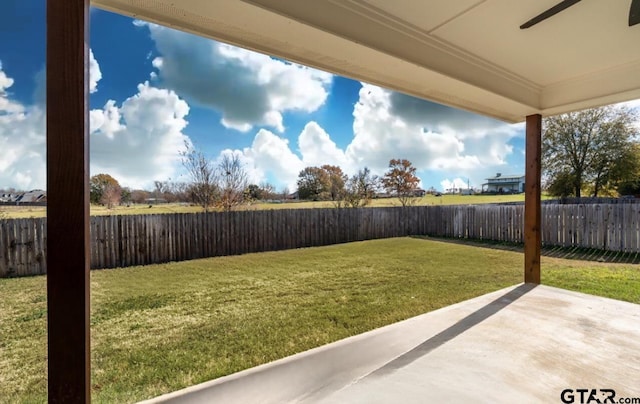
(522, 344)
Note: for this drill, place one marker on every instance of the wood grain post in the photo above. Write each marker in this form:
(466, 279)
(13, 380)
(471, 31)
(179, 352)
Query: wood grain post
(532, 208)
(68, 201)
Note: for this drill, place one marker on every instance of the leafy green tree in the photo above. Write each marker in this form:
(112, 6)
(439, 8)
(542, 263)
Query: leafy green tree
(105, 190)
(253, 193)
(312, 183)
(324, 183)
(629, 183)
(401, 181)
(631, 187)
(589, 147)
(125, 196)
(561, 185)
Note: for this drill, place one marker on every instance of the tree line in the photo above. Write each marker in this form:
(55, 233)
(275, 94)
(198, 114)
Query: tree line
(329, 183)
(225, 185)
(594, 152)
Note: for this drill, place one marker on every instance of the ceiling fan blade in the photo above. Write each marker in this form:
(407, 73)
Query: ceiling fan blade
(634, 13)
(551, 12)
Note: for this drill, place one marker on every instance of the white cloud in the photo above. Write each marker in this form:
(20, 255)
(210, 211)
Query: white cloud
(95, 75)
(318, 149)
(136, 142)
(22, 141)
(270, 155)
(433, 137)
(140, 141)
(247, 88)
(382, 133)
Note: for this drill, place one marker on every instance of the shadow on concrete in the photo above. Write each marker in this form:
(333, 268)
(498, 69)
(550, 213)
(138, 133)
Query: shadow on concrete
(571, 253)
(452, 332)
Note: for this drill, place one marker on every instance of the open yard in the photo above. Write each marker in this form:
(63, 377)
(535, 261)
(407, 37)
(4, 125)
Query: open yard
(163, 327)
(40, 211)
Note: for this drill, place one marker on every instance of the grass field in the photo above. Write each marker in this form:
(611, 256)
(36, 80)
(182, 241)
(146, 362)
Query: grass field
(40, 211)
(159, 328)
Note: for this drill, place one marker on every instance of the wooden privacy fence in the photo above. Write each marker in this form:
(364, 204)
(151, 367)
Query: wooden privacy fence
(121, 241)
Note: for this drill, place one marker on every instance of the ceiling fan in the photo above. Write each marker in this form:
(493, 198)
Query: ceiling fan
(634, 13)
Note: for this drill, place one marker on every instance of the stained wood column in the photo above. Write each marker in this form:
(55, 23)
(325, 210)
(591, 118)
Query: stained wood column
(68, 201)
(532, 207)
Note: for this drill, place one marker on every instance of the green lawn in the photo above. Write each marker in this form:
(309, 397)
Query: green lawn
(159, 328)
(428, 200)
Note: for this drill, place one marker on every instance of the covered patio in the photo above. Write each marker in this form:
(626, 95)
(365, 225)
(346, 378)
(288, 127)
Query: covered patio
(470, 54)
(522, 344)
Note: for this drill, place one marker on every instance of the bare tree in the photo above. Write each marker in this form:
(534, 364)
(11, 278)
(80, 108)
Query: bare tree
(160, 188)
(139, 195)
(232, 181)
(111, 194)
(203, 187)
(267, 190)
(284, 193)
(361, 188)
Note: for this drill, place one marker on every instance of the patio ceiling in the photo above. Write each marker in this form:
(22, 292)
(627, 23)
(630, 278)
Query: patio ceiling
(469, 54)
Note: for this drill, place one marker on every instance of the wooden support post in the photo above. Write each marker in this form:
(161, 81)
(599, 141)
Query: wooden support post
(532, 208)
(68, 201)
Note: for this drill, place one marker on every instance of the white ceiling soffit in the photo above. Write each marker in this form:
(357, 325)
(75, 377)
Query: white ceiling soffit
(469, 54)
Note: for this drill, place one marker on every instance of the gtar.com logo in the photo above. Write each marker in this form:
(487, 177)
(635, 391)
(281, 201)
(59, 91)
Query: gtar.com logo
(587, 396)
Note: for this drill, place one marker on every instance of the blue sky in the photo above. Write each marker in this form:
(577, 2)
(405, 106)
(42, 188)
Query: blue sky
(154, 88)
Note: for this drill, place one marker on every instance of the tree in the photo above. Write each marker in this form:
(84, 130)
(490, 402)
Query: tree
(159, 189)
(284, 193)
(253, 193)
(400, 181)
(139, 195)
(267, 191)
(334, 189)
(629, 188)
(629, 183)
(324, 183)
(590, 148)
(312, 183)
(125, 195)
(203, 188)
(562, 184)
(361, 188)
(111, 195)
(232, 178)
(105, 190)
(260, 192)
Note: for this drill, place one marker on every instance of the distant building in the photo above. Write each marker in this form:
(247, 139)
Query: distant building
(460, 191)
(504, 184)
(155, 201)
(36, 196)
